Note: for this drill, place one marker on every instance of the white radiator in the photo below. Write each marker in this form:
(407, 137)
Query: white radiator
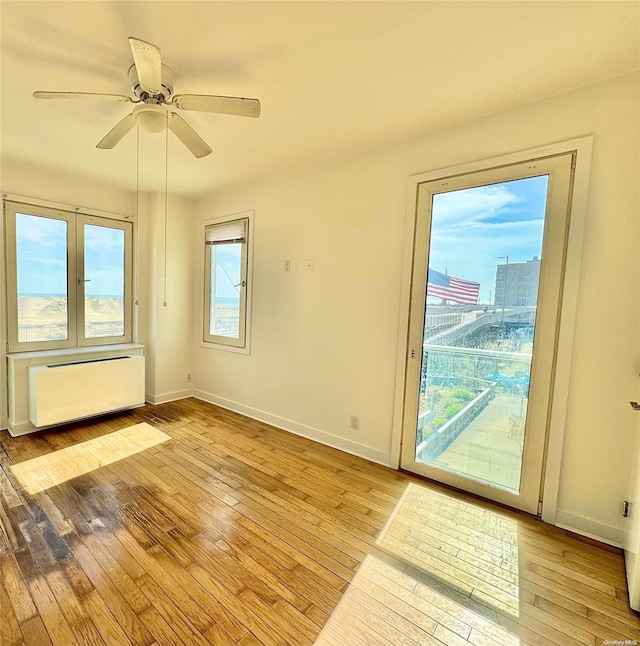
(65, 392)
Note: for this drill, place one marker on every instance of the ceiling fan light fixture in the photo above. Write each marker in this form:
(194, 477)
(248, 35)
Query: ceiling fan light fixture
(151, 118)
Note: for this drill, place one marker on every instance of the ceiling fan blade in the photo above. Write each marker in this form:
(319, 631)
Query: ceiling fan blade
(148, 61)
(188, 136)
(117, 133)
(219, 104)
(82, 95)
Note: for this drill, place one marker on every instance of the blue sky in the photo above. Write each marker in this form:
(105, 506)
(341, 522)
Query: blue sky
(472, 227)
(104, 261)
(227, 270)
(42, 257)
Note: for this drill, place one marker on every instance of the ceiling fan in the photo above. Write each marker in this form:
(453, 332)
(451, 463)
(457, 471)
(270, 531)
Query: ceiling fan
(152, 83)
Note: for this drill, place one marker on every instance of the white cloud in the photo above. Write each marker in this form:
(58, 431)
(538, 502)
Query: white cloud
(471, 205)
(468, 233)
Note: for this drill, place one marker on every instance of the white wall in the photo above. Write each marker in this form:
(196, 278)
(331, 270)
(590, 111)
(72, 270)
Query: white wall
(4, 404)
(50, 184)
(324, 342)
(166, 330)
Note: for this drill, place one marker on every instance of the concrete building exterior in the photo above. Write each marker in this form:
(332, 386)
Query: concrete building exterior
(517, 283)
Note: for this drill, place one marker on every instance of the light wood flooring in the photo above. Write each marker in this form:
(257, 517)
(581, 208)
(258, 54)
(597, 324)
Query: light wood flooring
(185, 524)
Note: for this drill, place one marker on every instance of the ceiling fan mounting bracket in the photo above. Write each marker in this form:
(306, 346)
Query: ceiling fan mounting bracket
(168, 80)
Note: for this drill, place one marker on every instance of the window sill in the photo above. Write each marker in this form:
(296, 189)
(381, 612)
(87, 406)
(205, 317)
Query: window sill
(70, 352)
(225, 348)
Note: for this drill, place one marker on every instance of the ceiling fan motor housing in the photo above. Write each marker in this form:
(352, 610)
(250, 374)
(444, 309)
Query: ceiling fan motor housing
(168, 81)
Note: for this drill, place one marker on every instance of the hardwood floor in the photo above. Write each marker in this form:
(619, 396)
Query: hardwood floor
(185, 524)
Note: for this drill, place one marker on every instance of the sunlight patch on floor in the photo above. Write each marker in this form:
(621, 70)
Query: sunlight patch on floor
(466, 546)
(386, 606)
(51, 469)
(451, 576)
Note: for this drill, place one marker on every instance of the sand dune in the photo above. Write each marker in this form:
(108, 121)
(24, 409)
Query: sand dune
(50, 310)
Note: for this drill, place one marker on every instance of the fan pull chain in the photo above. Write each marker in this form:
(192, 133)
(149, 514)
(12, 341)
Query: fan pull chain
(166, 202)
(137, 222)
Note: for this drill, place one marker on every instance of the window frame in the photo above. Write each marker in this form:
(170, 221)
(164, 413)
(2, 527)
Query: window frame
(127, 227)
(75, 269)
(242, 343)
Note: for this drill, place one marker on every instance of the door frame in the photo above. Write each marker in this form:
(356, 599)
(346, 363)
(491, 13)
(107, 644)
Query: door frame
(569, 298)
(558, 169)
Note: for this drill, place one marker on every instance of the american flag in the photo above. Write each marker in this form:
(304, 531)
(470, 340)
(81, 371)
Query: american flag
(450, 288)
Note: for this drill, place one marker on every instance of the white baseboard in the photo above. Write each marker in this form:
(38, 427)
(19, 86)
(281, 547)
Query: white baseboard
(354, 448)
(21, 429)
(24, 428)
(590, 528)
(169, 397)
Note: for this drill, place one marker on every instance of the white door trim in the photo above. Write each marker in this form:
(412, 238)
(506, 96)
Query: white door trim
(583, 147)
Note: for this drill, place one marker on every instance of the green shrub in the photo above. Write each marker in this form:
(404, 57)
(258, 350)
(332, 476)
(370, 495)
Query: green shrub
(452, 409)
(462, 394)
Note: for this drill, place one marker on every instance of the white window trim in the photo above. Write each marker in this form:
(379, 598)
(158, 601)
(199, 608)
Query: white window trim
(11, 210)
(228, 346)
(61, 206)
(75, 292)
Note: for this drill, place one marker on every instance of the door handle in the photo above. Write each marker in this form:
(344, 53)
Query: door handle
(635, 405)
(83, 280)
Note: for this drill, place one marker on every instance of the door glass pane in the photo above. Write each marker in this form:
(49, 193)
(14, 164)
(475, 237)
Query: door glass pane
(104, 281)
(482, 291)
(224, 300)
(41, 251)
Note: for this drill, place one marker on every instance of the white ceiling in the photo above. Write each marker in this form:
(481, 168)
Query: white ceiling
(334, 78)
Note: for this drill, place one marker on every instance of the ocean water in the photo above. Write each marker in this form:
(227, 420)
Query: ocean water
(39, 295)
(227, 301)
(44, 295)
(224, 301)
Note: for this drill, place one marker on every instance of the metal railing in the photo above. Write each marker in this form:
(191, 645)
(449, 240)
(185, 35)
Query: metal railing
(477, 352)
(447, 372)
(34, 333)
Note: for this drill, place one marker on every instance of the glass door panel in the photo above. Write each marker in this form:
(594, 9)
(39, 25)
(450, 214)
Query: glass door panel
(480, 314)
(487, 275)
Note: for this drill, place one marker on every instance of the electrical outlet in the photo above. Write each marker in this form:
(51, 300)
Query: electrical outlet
(287, 266)
(309, 265)
(355, 422)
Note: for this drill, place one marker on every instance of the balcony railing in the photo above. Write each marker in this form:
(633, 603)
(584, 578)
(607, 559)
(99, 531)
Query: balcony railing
(33, 333)
(473, 402)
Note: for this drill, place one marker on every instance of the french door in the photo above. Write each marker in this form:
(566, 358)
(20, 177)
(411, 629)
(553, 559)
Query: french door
(487, 277)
